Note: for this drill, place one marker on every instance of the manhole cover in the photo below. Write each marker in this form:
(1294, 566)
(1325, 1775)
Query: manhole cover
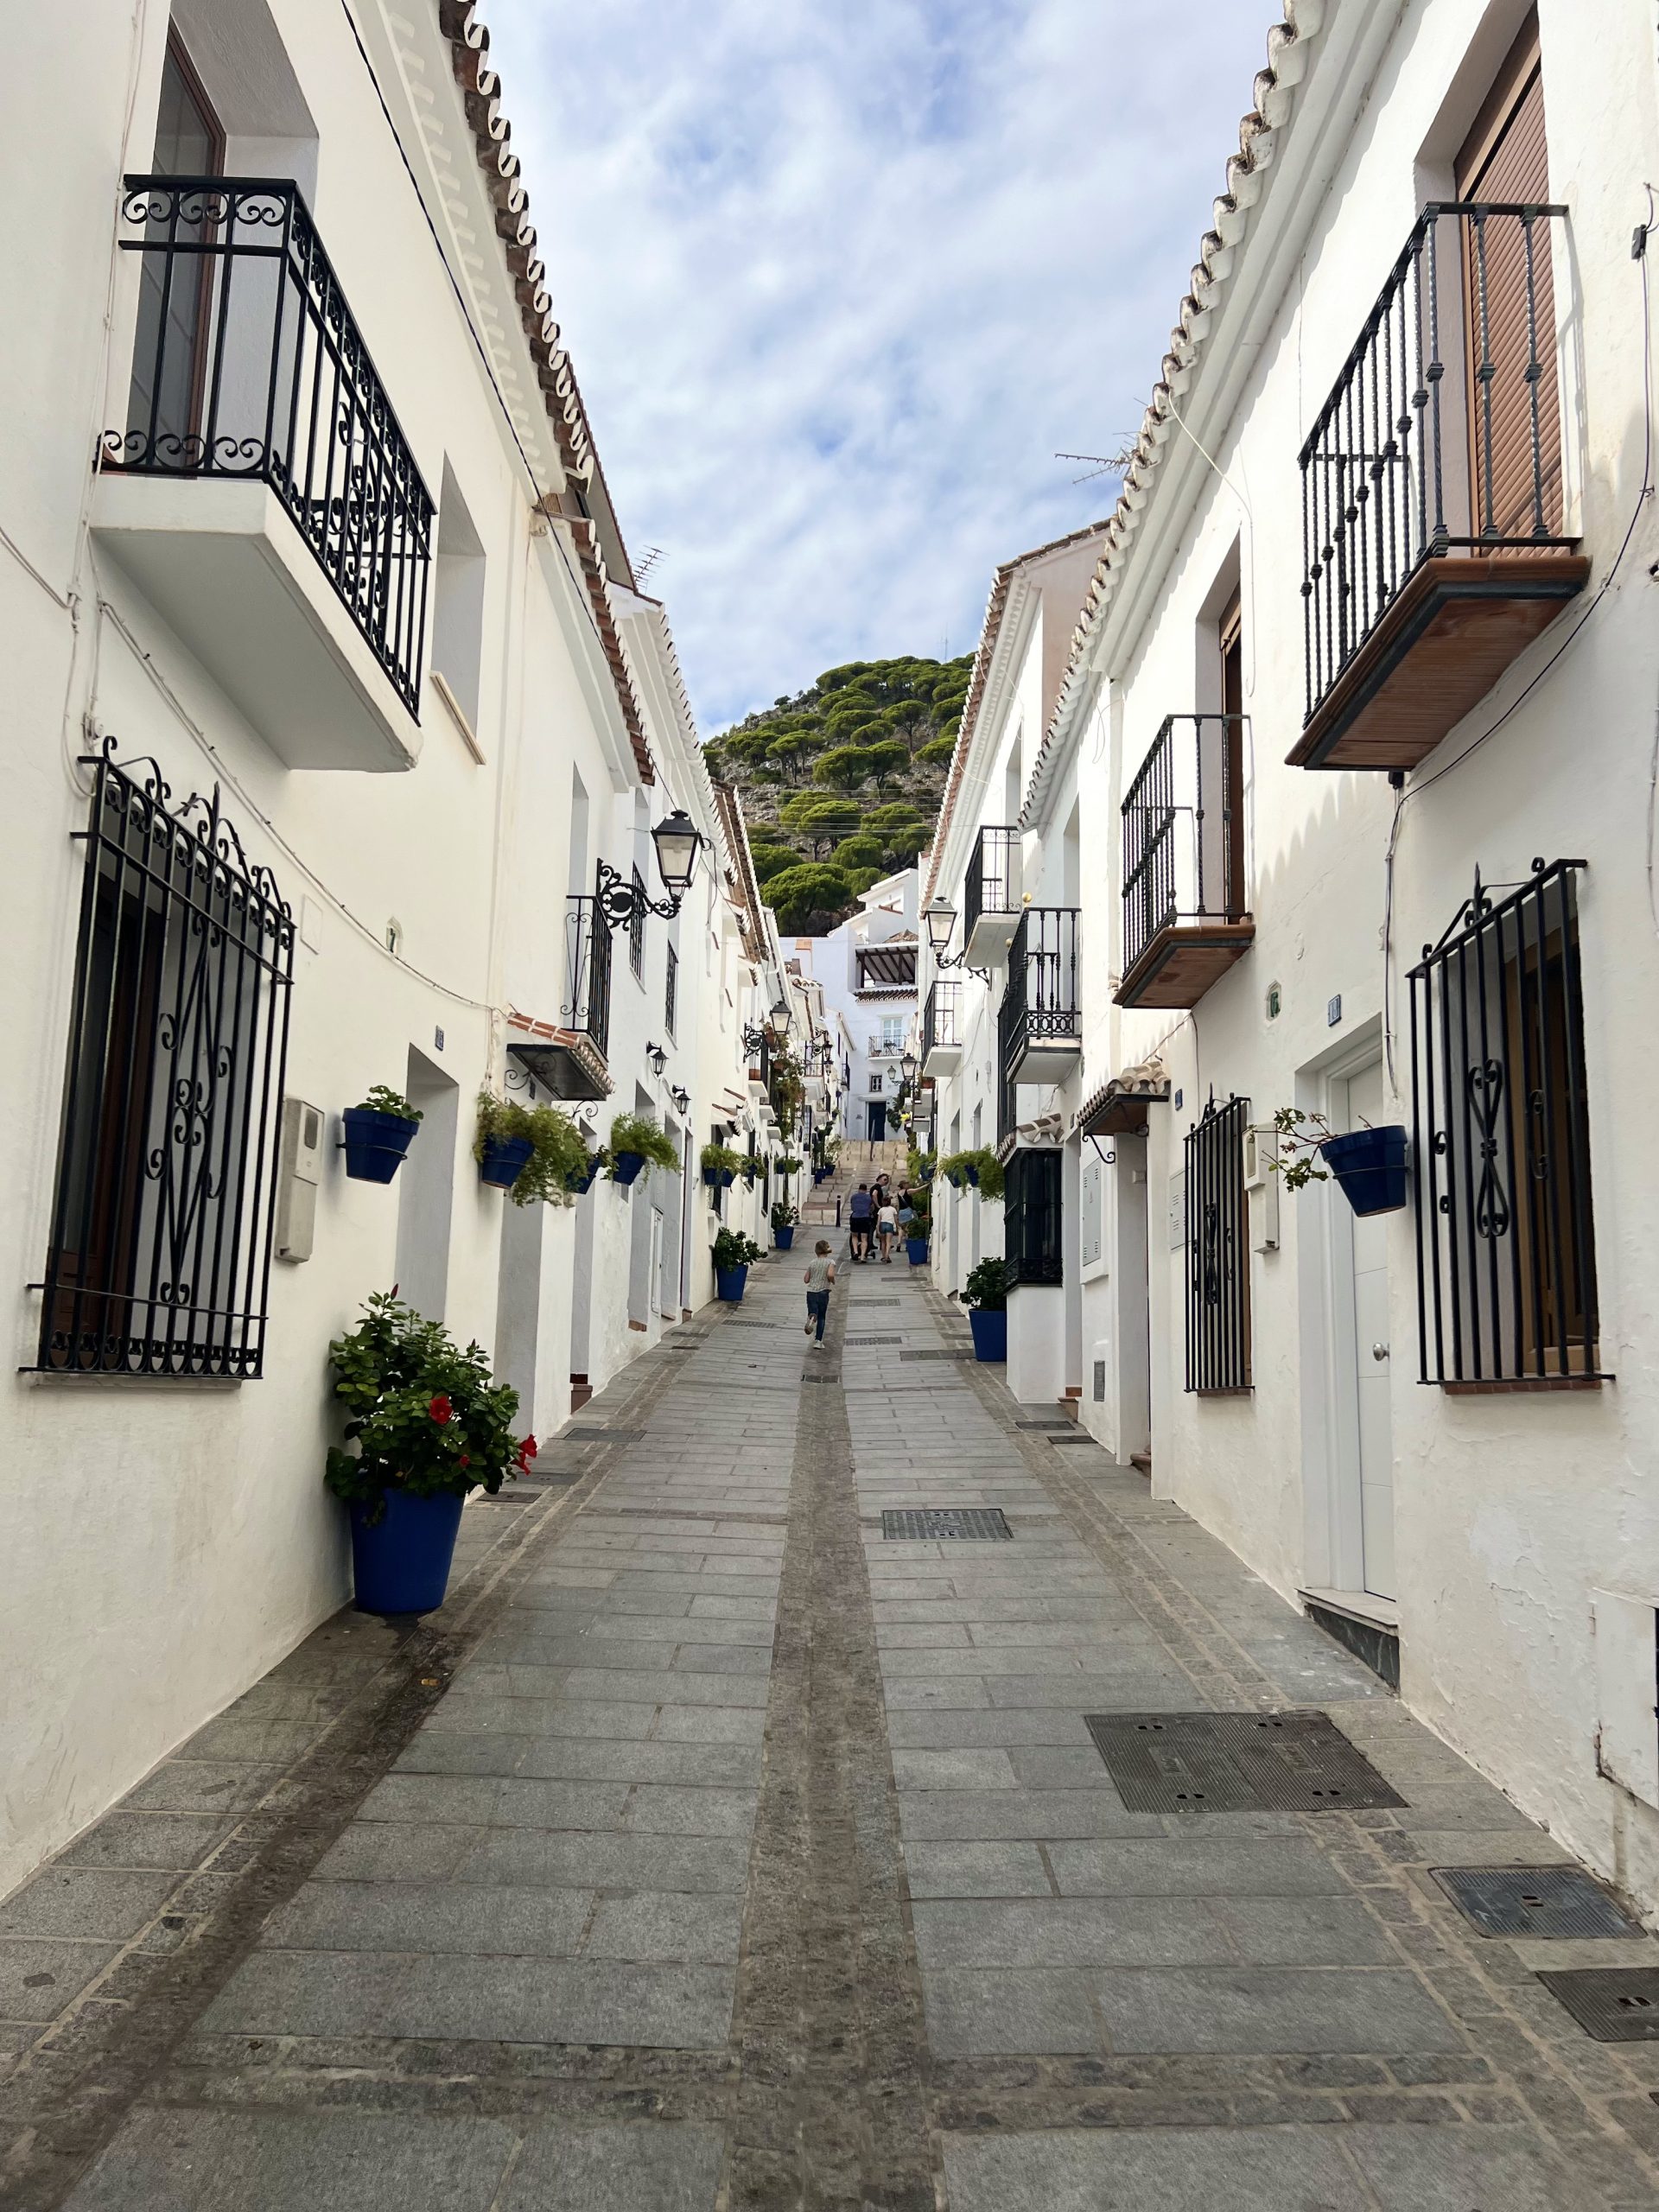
(815, 1375)
(600, 1436)
(754, 1324)
(1533, 1901)
(1235, 1763)
(1054, 1427)
(932, 1522)
(1076, 1436)
(858, 1304)
(1613, 2003)
(935, 1354)
(873, 1340)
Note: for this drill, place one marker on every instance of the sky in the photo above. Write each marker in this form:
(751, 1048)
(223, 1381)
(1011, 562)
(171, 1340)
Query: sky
(840, 277)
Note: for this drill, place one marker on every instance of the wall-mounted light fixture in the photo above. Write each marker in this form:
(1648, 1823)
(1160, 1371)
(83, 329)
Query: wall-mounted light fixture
(623, 902)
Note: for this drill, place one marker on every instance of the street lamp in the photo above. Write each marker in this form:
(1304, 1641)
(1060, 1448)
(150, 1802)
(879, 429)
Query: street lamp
(623, 902)
(657, 1057)
(682, 1098)
(907, 1066)
(941, 919)
(777, 1021)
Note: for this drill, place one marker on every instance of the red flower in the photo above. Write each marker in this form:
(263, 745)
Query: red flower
(441, 1409)
(466, 1459)
(527, 1450)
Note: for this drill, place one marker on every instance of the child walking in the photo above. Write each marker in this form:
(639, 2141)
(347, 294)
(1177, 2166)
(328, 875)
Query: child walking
(886, 1227)
(820, 1274)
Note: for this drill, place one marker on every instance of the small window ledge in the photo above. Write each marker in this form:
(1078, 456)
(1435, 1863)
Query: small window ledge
(81, 1378)
(1509, 1385)
(458, 716)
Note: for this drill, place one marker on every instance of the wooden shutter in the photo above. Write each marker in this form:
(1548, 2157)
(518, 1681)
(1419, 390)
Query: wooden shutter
(1505, 160)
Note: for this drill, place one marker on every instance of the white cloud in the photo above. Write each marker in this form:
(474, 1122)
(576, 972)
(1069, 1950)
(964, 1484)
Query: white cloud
(838, 282)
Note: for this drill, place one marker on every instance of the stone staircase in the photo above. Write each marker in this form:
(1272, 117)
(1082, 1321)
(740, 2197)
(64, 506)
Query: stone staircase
(860, 1162)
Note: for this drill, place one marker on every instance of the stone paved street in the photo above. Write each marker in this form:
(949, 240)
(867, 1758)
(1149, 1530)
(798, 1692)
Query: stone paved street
(711, 1849)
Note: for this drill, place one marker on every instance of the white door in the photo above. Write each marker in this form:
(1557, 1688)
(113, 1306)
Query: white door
(1372, 1357)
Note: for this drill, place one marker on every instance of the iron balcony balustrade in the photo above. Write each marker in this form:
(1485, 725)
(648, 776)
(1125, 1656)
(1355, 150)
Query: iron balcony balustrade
(941, 1031)
(1432, 492)
(990, 897)
(573, 1061)
(1040, 1022)
(252, 383)
(1185, 909)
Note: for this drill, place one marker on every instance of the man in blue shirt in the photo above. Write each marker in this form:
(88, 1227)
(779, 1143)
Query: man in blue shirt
(860, 1209)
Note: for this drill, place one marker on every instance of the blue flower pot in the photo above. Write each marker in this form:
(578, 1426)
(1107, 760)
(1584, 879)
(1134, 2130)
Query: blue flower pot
(926, 1175)
(990, 1333)
(728, 1285)
(504, 1160)
(916, 1248)
(1370, 1167)
(401, 1564)
(972, 1173)
(784, 1237)
(626, 1167)
(578, 1184)
(375, 1144)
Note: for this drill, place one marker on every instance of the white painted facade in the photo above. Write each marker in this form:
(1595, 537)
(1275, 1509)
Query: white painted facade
(169, 1540)
(1512, 1536)
(877, 1016)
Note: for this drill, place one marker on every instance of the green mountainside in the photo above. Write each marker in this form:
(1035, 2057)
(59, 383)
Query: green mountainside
(841, 784)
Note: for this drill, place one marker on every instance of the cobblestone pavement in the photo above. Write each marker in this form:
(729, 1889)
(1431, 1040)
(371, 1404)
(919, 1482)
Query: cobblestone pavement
(712, 1849)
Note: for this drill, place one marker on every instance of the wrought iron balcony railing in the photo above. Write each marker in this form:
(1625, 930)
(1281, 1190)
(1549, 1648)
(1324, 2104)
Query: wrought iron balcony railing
(248, 364)
(1183, 831)
(940, 1016)
(1443, 434)
(1040, 1022)
(586, 1006)
(993, 883)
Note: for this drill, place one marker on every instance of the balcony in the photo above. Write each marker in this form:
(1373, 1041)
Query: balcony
(1039, 1023)
(941, 1032)
(572, 1061)
(1184, 922)
(1432, 492)
(990, 897)
(262, 495)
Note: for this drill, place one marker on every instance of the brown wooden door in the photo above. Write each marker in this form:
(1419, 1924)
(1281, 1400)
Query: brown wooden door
(1232, 705)
(1510, 298)
(170, 349)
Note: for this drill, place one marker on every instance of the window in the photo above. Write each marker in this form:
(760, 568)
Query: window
(1506, 1256)
(159, 1252)
(875, 1080)
(892, 1032)
(1032, 1246)
(671, 989)
(637, 927)
(170, 353)
(1217, 1251)
(457, 619)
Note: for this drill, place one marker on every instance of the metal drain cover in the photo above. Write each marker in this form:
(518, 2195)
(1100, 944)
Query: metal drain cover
(1235, 1763)
(937, 1355)
(858, 1304)
(817, 1374)
(1055, 1427)
(932, 1521)
(600, 1436)
(1538, 1901)
(1613, 2003)
(873, 1340)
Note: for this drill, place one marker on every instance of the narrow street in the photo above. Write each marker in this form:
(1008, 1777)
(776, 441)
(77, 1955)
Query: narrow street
(712, 1848)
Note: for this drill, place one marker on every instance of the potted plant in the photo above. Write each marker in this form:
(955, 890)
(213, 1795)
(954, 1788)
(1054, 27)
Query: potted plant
(583, 1179)
(986, 1297)
(749, 1166)
(916, 1235)
(784, 1218)
(638, 1145)
(787, 1167)
(1369, 1164)
(378, 1133)
(721, 1165)
(425, 1425)
(980, 1169)
(735, 1253)
(532, 1151)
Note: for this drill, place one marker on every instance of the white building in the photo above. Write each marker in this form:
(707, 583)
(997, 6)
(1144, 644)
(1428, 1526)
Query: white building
(866, 971)
(339, 739)
(1373, 618)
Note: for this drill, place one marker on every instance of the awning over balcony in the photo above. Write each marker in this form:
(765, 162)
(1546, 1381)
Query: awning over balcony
(1119, 1108)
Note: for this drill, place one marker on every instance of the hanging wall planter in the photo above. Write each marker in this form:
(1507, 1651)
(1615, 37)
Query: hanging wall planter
(627, 1167)
(375, 1144)
(577, 1185)
(503, 1160)
(1370, 1167)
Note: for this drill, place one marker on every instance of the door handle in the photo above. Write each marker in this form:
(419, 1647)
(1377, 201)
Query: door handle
(1379, 1351)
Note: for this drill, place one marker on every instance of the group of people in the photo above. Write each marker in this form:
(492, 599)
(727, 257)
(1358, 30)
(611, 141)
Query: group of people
(884, 1212)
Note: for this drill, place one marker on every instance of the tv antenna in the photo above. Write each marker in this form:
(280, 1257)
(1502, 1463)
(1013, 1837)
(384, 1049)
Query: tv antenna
(643, 567)
(1105, 464)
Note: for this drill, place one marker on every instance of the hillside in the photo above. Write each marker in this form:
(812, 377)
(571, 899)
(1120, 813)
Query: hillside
(841, 784)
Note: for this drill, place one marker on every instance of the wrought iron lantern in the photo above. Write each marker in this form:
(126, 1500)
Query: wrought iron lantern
(623, 902)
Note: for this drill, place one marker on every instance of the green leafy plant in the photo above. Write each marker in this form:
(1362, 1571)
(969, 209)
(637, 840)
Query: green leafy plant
(559, 1151)
(954, 1166)
(784, 1216)
(1301, 1136)
(382, 1100)
(748, 1166)
(720, 1160)
(733, 1249)
(638, 1133)
(787, 1166)
(917, 1165)
(422, 1416)
(987, 1287)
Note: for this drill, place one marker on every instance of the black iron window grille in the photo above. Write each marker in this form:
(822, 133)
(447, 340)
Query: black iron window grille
(1443, 432)
(1506, 1259)
(991, 886)
(1184, 831)
(637, 926)
(940, 1014)
(586, 1006)
(1218, 1251)
(160, 1255)
(1033, 1247)
(670, 989)
(247, 362)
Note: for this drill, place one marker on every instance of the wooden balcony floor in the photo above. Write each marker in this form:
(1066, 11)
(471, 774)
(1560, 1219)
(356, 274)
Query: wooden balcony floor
(1182, 961)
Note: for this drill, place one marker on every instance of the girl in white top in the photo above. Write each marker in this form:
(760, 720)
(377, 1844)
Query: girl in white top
(886, 1227)
(820, 1274)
